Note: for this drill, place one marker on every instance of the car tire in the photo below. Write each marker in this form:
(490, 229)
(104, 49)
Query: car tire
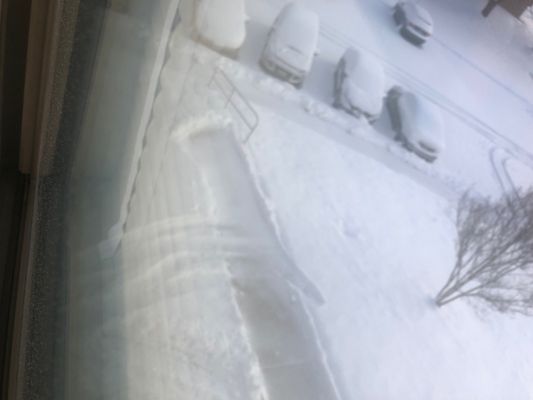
(336, 81)
(337, 84)
(372, 120)
(391, 102)
(339, 72)
(400, 138)
(263, 61)
(399, 18)
(336, 101)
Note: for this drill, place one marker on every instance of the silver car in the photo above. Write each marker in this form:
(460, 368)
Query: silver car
(292, 44)
(416, 25)
(417, 122)
(359, 85)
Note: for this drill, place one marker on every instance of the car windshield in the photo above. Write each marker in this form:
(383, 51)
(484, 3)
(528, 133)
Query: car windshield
(243, 207)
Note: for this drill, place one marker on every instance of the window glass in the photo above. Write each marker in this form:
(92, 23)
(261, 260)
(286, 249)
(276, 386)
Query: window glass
(250, 210)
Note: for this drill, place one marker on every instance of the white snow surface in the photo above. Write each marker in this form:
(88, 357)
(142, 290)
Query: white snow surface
(520, 174)
(380, 246)
(371, 224)
(377, 242)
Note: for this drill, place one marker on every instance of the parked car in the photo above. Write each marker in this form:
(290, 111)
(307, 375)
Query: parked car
(221, 25)
(417, 122)
(359, 85)
(416, 25)
(292, 44)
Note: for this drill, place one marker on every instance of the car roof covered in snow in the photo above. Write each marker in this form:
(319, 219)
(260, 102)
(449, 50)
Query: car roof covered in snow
(298, 26)
(364, 70)
(416, 13)
(222, 22)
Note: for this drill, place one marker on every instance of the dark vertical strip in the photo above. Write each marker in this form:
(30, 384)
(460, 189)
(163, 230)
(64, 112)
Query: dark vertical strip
(12, 203)
(13, 44)
(16, 14)
(45, 349)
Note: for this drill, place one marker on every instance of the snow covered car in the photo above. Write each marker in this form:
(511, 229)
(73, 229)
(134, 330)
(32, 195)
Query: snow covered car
(416, 25)
(359, 85)
(292, 44)
(417, 122)
(221, 25)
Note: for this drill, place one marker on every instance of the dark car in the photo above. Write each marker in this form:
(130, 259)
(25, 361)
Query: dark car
(417, 122)
(416, 25)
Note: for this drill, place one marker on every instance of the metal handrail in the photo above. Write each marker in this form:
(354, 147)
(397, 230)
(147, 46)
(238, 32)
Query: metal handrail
(218, 78)
(502, 174)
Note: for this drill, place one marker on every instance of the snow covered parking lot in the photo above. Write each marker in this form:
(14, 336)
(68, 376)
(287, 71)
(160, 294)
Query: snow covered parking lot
(472, 126)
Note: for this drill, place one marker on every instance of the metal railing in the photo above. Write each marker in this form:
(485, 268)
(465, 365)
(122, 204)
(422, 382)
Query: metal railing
(236, 100)
(499, 166)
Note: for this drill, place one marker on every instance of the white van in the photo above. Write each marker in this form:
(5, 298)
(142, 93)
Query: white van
(292, 44)
(221, 24)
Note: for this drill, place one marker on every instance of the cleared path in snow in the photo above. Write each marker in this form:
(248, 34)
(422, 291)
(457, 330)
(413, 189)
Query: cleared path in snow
(204, 174)
(201, 301)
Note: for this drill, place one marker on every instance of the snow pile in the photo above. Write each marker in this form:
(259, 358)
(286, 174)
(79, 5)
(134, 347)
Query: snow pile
(195, 125)
(185, 334)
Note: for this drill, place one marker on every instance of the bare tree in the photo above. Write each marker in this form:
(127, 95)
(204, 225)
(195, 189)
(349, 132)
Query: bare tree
(494, 253)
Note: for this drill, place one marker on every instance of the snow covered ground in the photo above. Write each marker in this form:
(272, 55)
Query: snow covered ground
(370, 224)
(520, 174)
(379, 246)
